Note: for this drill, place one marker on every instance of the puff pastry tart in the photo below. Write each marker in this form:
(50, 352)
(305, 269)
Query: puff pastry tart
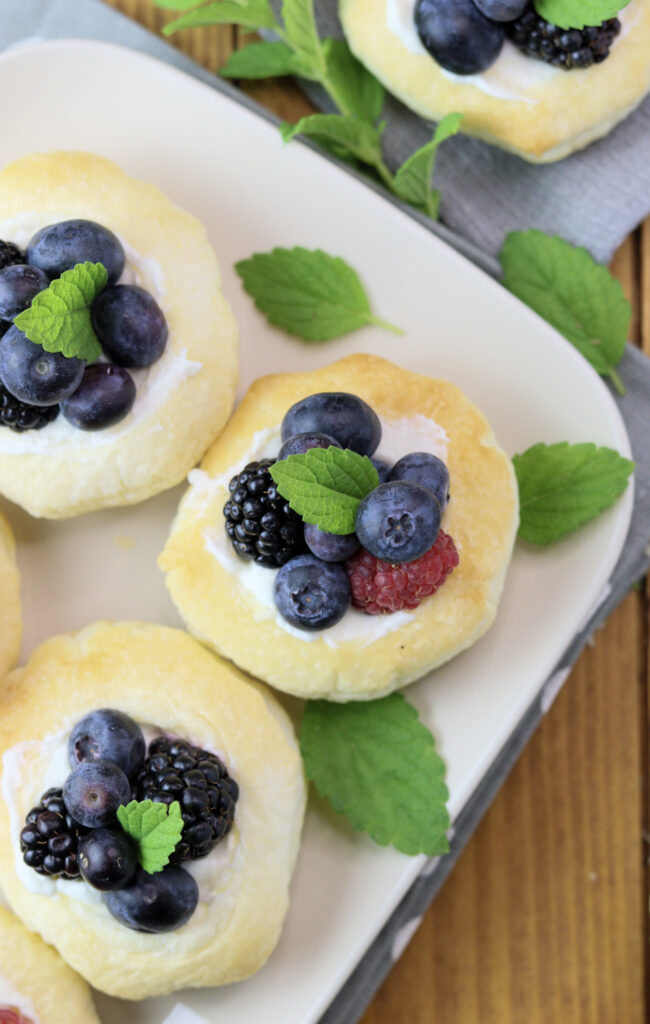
(520, 83)
(79, 433)
(186, 743)
(36, 986)
(11, 617)
(350, 616)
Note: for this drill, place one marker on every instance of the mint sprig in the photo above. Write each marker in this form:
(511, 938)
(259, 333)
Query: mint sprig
(59, 317)
(578, 296)
(377, 764)
(308, 293)
(413, 179)
(578, 13)
(326, 485)
(155, 828)
(563, 486)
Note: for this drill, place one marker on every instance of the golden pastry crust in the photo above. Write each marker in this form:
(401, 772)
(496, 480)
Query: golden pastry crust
(154, 449)
(11, 622)
(557, 115)
(482, 518)
(164, 678)
(34, 970)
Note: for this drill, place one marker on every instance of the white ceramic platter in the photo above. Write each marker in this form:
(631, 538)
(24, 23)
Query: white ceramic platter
(230, 168)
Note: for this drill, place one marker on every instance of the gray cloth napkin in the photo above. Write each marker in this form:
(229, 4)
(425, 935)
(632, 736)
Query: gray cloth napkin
(562, 193)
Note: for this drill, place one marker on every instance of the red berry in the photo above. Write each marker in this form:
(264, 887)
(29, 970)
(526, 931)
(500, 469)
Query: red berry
(10, 1015)
(378, 587)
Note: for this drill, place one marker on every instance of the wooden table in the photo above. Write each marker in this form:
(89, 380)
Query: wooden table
(545, 918)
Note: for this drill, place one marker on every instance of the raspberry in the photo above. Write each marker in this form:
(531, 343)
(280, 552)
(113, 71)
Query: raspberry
(11, 1015)
(379, 587)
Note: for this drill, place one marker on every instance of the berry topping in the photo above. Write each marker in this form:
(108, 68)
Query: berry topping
(21, 416)
(301, 443)
(458, 36)
(331, 547)
(50, 838)
(310, 593)
(12, 1015)
(34, 375)
(130, 325)
(161, 902)
(347, 418)
(502, 10)
(104, 397)
(18, 286)
(563, 48)
(383, 469)
(259, 521)
(10, 255)
(398, 521)
(427, 470)
(108, 735)
(107, 860)
(175, 770)
(379, 586)
(61, 246)
(93, 792)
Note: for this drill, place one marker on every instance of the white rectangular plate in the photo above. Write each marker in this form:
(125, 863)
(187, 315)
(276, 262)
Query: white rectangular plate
(230, 168)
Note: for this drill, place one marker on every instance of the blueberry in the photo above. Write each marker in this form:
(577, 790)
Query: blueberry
(457, 35)
(18, 286)
(61, 246)
(34, 375)
(107, 859)
(104, 397)
(300, 443)
(130, 325)
(310, 593)
(398, 521)
(383, 469)
(155, 903)
(427, 470)
(347, 418)
(93, 792)
(502, 10)
(108, 735)
(331, 547)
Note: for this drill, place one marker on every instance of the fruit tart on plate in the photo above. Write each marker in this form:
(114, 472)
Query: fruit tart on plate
(11, 617)
(118, 350)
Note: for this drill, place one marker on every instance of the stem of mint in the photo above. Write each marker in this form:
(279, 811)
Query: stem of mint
(377, 322)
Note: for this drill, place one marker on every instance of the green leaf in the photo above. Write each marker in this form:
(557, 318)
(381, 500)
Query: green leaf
(249, 13)
(412, 181)
(359, 138)
(354, 88)
(377, 764)
(578, 13)
(177, 5)
(263, 60)
(326, 485)
(155, 828)
(59, 317)
(578, 296)
(562, 486)
(302, 35)
(308, 293)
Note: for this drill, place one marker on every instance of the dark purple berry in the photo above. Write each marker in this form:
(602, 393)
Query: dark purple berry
(383, 469)
(61, 246)
(502, 10)
(108, 735)
(107, 859)
(93, 792)
(33, 375)
(161, 902)
(259, 521)
(18, 286)
(398, 521)
(331, 547)
(300, 443)
(130, 325)
(104, 397)
(336, 414)
(312, 594)
(458, 36)
(427, 470)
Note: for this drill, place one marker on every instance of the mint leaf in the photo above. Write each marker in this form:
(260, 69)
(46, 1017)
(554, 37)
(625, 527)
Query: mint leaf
(412, 181)
(177, 5)
(578, 13)
(353, 87)
(59, 317)
(302, 35)
(248, 13)
(377, 764)
(326, 485)
(578, 296)
(263, 60)
(155, 828)
(562, 486)
(360, 138)
(310, 294)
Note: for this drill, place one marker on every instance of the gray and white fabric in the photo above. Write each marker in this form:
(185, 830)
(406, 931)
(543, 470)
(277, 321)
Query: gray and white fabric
(595, 198)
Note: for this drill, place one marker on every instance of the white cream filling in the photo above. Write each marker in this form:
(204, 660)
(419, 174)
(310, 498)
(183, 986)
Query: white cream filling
(399, 437)
(512, 74)
(154, 385)
(11, 998)
(33, 767)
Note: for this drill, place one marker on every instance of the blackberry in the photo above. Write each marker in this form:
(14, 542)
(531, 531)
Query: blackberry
(175, 770)
(563, 48)
(259, 521)
(50, 838)
(20, 416)
(10, 255)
